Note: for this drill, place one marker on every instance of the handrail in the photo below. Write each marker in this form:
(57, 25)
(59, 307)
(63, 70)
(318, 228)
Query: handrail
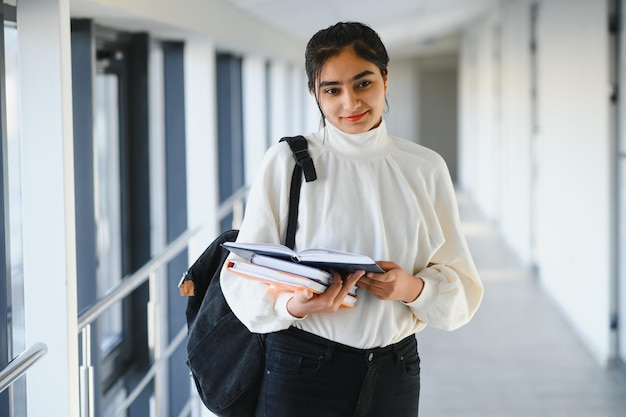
(227, 206)
(20, 364)
(161, 349)
(129, 284)
(141, 385)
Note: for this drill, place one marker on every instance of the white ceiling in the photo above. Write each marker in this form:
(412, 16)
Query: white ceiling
(408, 25)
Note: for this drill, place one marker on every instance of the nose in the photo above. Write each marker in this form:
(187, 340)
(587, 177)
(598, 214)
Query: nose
(351, 101)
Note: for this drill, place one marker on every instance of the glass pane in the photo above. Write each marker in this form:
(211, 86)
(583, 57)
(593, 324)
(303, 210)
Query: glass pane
(15, 188)
(16, 318)
(107, 205)
(621, 258)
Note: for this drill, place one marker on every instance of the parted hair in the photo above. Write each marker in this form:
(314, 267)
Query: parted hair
(331, 41)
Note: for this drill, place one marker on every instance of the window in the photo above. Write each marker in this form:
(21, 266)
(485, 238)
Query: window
(12, 341)
(112, 198)
(107, 206)
(230, 128)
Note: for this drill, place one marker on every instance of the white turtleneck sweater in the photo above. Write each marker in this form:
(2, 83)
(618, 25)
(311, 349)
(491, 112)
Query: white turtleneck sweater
(377, 195)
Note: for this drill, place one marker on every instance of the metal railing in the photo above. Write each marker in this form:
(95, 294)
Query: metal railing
(160, 352)
(234, 204)
(147, 273)
(20, 364)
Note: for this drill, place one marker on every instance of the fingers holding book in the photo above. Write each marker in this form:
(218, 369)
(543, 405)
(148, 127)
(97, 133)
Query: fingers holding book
(394, 284)
(305, 302)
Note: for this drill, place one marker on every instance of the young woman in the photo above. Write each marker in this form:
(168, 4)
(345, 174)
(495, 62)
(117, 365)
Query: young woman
(376, 195)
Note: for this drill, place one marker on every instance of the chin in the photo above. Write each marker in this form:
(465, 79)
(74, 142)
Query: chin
(355, 128)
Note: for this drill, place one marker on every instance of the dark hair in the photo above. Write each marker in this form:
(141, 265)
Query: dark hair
(331, 41)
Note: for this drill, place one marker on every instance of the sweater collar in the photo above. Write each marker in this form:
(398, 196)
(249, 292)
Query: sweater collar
(370, 144)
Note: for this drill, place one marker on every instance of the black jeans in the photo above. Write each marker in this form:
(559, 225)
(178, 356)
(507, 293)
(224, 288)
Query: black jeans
(309, 376)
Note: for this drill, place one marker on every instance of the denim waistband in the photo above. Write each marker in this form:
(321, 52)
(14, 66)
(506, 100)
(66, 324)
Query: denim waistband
(400, 348)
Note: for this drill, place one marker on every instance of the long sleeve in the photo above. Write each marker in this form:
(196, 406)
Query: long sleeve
(452, 288)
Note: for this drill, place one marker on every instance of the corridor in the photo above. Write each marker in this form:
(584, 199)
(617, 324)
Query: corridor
(518, 357)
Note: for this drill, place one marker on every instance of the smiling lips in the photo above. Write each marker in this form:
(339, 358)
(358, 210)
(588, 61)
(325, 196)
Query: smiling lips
(356, 117)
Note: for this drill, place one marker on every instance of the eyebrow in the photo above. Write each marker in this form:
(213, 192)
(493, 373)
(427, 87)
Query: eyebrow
(356, 77)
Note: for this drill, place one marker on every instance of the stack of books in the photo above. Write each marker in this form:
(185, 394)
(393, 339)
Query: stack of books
(310, 269)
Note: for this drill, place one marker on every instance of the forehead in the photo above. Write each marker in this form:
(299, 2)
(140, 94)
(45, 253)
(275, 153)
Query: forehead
(345, 65)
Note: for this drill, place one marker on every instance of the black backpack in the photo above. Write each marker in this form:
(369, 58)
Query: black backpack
(226, 360)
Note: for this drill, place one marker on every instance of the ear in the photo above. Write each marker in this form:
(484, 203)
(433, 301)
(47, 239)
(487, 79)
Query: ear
(386, 78)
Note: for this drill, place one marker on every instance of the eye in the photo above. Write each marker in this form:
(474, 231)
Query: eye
(331, 91)
(363, 84)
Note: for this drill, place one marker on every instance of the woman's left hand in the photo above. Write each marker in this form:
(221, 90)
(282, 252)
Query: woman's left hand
(394, 284)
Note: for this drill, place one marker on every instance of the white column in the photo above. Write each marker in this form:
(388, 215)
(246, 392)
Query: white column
(255, 114)
(312, 115)
(278, 102)
(575, 166)
(201, 120)
(621, 190)
(297, 91)
(48, 205)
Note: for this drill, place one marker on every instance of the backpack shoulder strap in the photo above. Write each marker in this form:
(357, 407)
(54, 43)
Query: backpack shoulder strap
(304, 163)
(194, 281)
(299, 148)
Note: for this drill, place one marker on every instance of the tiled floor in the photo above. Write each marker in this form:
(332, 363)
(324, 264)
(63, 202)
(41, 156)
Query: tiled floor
(518, 357)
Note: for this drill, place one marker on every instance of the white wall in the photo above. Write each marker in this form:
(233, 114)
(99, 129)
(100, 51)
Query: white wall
(402, 96)
(279, 106)
(298, 95)
(423, 102)
(575, 165)
(479, 165)
(49, 236)
(516, 173)
(293, 111)
(254, 116)
(312, 116)
(467, 111)
(201, 145)
(438, 107)
(573, 210)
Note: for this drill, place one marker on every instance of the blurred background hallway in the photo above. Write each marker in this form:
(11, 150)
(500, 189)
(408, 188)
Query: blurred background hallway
(518, 357)
(131, 130)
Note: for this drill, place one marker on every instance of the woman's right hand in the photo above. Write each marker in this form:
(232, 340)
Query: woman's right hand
(305, 302)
